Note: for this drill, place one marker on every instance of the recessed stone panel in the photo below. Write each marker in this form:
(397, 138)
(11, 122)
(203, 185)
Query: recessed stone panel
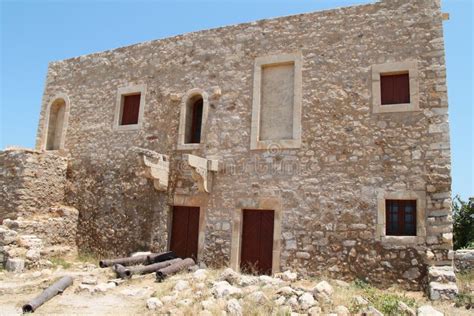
(276, 117)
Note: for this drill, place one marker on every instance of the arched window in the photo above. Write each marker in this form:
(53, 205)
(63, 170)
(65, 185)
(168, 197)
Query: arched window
(56, 122)
(192, 119)
(194, 109)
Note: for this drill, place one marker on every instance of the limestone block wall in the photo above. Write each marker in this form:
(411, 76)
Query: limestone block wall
(327, 184)
(30, 181)
(464, 259)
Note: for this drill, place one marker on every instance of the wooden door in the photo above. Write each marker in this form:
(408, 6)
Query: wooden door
(185, 231)
(257, 241)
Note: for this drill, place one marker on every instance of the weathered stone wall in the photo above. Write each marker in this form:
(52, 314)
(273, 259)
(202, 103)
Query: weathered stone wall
(328, 187)
(464, 259)
(30, 241)
(30, 181)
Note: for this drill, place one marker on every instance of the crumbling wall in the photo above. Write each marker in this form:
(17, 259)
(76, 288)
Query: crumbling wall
(28, 242)
(30, 181)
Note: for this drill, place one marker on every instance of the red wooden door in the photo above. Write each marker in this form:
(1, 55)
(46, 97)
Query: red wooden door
(257, 241)
(185, 231)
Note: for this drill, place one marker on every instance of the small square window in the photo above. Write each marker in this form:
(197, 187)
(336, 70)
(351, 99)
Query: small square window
(395, 88)
(130, 109)
(400, 217)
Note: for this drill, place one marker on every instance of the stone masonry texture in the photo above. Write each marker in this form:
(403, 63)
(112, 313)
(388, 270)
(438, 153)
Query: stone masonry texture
(327, 187)
(30, 181)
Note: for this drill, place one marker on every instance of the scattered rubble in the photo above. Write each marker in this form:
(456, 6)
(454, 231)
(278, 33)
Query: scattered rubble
(35, 241)
(188, 286)
(153, 303)
(202, 292)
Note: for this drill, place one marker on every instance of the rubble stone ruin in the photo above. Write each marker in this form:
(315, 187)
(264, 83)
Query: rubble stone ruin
(316, 142)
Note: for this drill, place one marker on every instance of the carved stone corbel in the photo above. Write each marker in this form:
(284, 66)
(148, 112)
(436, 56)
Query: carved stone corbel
(157, 167)
(200, 168)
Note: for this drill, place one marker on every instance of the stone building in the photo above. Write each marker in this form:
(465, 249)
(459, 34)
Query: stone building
(317, 142)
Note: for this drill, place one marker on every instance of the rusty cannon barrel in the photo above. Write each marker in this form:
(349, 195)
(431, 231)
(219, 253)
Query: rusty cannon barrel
(49, 293)
(121, 271)
(127, 261)
(128, 272)
(142, 259)
(160, 257)
(174, 268)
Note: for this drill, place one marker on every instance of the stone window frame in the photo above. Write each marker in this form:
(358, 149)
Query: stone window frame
(190, 94)
(198, 200)
(409, 66)
(129, 90)
(264, 203)
(260, 62)
(420, 197)
(67, 103)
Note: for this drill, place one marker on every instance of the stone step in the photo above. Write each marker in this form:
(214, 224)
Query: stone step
(441, 274)
(442, 291)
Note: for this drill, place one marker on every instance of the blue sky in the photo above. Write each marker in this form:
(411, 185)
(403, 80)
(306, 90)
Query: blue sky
(34, 33)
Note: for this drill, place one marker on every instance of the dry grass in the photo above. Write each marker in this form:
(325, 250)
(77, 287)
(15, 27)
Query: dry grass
(386, 300)
(466, 290)
(59, 261)
(466, 282)
(88, 257)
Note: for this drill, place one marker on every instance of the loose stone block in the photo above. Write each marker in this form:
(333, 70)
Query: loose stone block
(15, 265)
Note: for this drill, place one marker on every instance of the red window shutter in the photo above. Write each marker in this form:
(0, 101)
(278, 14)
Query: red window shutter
(130, 109)
(395, 89)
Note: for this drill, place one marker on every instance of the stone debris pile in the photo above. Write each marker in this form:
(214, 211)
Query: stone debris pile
(195, 291)
(31, 242)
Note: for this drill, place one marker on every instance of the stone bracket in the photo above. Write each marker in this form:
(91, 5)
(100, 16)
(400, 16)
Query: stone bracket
(157, 167)
(200, 168)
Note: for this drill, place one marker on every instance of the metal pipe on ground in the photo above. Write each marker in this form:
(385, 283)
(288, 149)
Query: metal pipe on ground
(127, 261)
(142, 259)
(174, 268)
(49, 293)
(121, 271)
(151, 268)
(160, 257)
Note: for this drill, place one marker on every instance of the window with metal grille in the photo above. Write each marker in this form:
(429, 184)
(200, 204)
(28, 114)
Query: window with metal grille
(130, 109)
(395, 88)
(400, 217)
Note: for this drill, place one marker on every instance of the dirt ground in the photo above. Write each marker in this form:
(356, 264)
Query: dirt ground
(93, 293)
(126, 299)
